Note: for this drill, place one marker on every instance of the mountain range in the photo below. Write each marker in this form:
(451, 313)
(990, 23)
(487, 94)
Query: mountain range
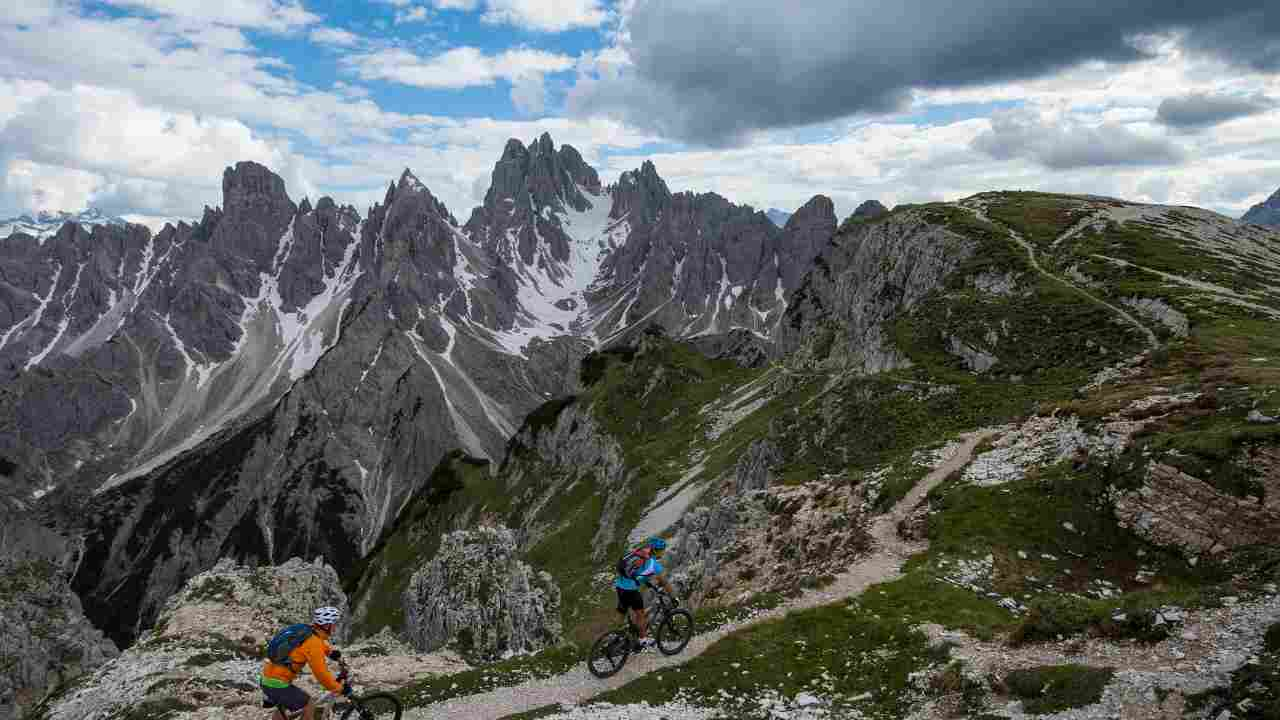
(46, 224)
(279, 378)
(994, 441)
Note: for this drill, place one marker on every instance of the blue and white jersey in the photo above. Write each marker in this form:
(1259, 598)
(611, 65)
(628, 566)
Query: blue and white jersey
(651, 567)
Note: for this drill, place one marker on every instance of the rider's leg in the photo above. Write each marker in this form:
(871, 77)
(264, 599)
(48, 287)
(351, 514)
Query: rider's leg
(641, 619)
(309, 711)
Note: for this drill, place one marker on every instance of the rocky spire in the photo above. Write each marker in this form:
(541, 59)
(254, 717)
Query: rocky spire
(256, 212)
(807, 231)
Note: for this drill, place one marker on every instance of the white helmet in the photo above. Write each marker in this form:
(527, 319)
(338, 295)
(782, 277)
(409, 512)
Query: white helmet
(326, 615)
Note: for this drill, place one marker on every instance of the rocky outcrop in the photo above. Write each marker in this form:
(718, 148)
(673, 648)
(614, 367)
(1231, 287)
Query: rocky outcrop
(478, 597)
(206, 647)
(1161, 312)
(1265, 213)
(1178, 510)
(871, 274)
(45, 639)
(755, 467)
(740, 346)
(777, 539)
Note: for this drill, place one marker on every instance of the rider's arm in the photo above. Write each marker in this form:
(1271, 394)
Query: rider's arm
(315, 650)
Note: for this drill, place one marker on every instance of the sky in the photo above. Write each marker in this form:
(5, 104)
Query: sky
(137, 106)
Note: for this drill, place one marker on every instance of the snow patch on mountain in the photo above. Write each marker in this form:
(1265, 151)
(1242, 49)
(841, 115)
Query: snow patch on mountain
(45, 225)
(552, 294)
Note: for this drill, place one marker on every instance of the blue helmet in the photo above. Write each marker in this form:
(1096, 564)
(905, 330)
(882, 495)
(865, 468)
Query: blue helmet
(656, 543)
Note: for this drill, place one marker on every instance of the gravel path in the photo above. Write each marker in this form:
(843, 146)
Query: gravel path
(577, 685)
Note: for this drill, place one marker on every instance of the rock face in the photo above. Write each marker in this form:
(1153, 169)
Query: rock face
(45, 639)
(870, 274)
(775, 539)
(206, 648)
(1266, 213)
(479, 598)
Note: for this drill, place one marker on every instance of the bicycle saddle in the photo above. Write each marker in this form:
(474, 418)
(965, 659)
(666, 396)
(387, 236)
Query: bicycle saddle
(268, 704)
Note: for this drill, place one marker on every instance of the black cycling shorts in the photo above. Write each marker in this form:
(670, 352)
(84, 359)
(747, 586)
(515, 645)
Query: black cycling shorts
(629, 600)
(291, 698)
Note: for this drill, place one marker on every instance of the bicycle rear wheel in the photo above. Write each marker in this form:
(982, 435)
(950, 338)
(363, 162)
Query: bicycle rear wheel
(379, 706)
(675, 632)
(609, 654)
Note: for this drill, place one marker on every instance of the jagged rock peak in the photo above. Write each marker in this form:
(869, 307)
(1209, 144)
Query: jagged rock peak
(641, 192)
(252, 186)
(411, 181)
(1266, 213)
(870, 210)
(540, 176)
(819, 208)
(514, 149)
(256, 211)
(304, 207)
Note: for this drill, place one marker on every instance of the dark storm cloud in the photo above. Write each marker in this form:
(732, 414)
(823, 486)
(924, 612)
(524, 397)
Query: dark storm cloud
(1017, 134)
(710, 70)
(1195, 112)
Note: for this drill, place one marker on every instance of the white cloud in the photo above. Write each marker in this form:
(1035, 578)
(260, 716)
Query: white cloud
(457, 68)
(529, 94)
(334, 36)
(546, 15)
(275, 15)
(132, 156)
(412, 15)
(466, 5)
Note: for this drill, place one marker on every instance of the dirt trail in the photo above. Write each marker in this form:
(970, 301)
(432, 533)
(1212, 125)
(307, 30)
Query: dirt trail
(884, 563)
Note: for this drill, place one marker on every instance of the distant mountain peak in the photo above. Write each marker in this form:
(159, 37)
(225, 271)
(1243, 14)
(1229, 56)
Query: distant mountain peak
(1265, 213)
(778, 217)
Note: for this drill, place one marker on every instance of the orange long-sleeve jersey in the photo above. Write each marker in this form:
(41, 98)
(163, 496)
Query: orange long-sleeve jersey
(311, 653)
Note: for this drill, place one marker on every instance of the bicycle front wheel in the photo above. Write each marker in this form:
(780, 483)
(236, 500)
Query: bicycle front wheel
(675, 632)
(609, 654)
(379, 706)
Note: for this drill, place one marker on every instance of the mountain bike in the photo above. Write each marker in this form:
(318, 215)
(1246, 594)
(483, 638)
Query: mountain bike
(377, 706)
(674, 630)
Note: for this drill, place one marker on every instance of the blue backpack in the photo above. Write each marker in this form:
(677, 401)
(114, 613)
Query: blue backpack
(286, 641)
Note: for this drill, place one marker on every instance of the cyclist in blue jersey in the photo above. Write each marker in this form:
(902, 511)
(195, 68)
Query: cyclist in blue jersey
(638, 568)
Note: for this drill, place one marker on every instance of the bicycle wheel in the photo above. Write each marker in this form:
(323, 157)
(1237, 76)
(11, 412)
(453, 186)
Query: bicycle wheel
(379, 706)
(609, 654)
(675, 632)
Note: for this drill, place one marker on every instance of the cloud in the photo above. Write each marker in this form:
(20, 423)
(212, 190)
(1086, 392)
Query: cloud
(334, 36)
(136, 157)
(712, 71)
(1067, 145)
(457, 68)
(412, 15)
(529, 94)
(544, 15)
(1199, 110)
(465, 5)
(272, 15)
